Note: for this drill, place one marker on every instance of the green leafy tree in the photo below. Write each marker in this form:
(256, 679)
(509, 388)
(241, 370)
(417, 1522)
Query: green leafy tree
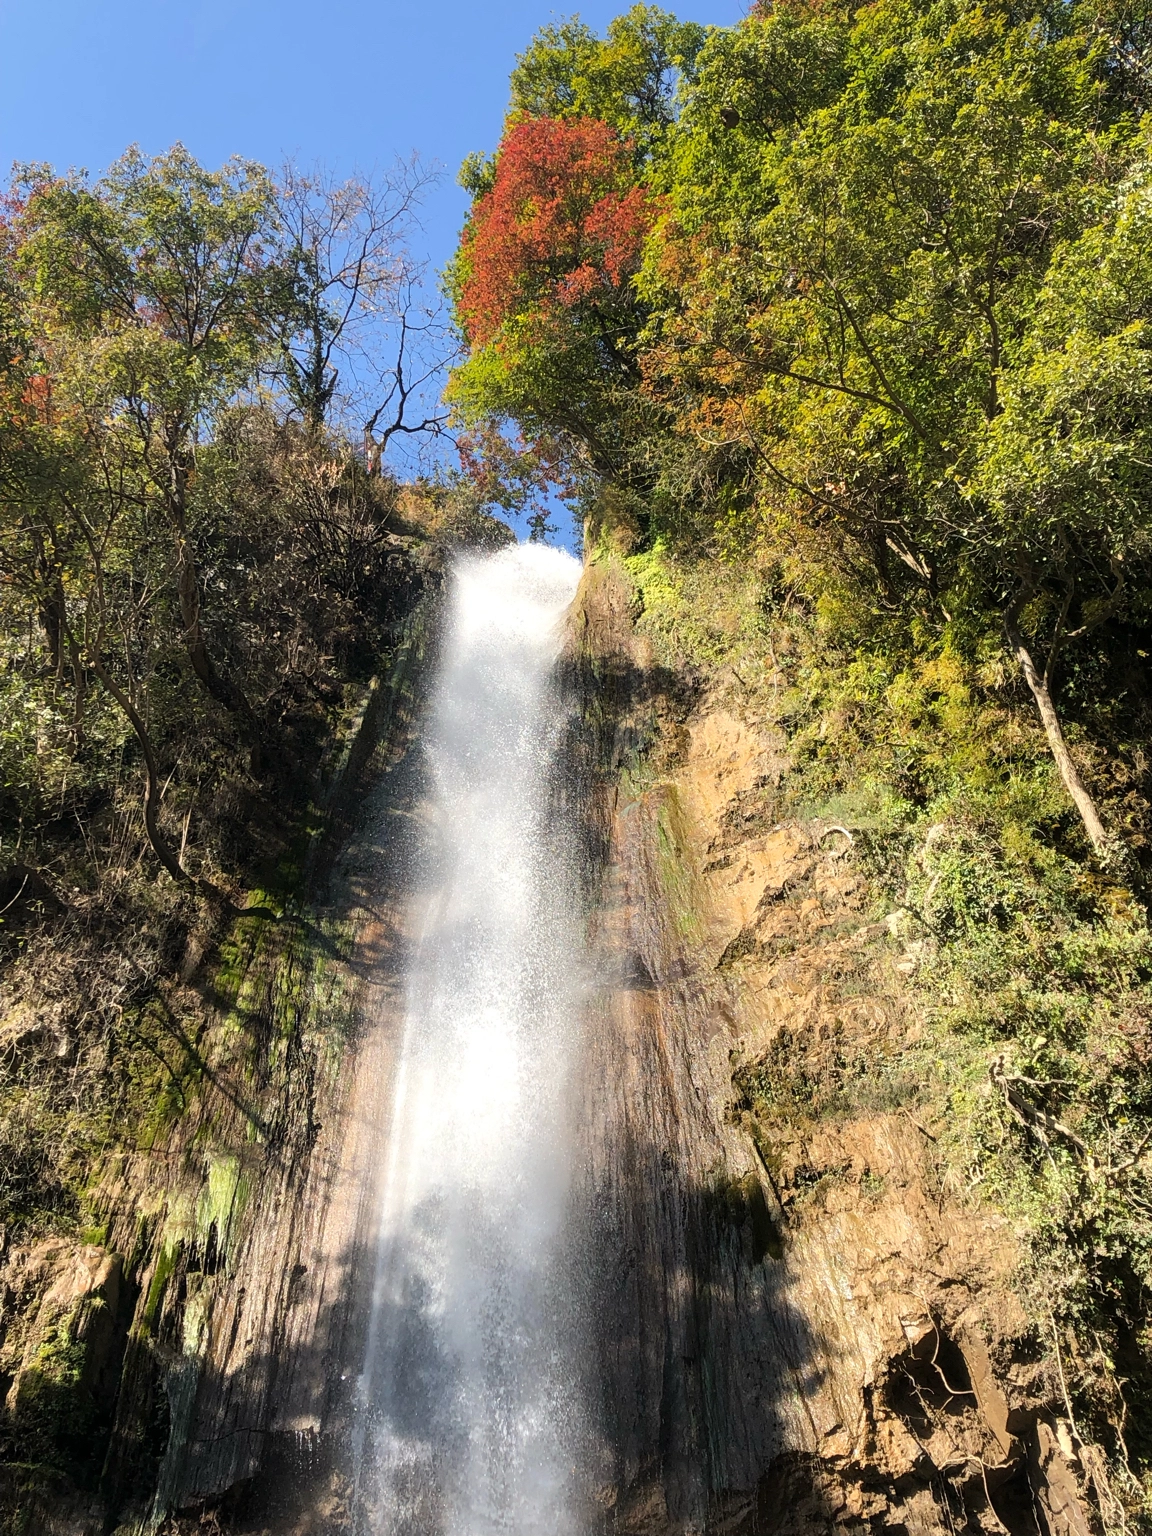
(866, 220)
(153, 290)
(630, 78)
(1065, 468)
(846, 331)
(542, 285)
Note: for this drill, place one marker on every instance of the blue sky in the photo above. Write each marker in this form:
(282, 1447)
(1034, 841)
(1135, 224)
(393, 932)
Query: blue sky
(349, 83)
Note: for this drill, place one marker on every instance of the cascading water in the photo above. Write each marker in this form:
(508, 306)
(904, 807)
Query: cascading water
(467, 1423)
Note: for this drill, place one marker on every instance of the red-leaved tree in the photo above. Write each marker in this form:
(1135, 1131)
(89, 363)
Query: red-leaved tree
(562, 224)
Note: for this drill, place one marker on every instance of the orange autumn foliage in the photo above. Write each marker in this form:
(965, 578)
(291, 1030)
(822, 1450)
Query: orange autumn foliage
(563, 222)
(37, 396)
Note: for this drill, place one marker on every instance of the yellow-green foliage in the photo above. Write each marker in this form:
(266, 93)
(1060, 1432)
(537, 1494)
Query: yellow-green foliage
(220, 1207)
(698, 615)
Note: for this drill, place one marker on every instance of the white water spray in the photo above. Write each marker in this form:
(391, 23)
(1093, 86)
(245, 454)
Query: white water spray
(468, 1418)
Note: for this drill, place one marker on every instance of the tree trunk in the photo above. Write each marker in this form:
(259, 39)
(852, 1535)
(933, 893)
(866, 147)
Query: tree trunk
(319, 390)
(1073, 783)
(52, 625)
(222, 689)
(152, 791)
(52, 607)
(188, 589)
(80, 693)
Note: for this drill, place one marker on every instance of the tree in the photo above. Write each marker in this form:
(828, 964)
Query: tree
(543, 291)
(561, 227)
(35, 539)
(155, 301)
(1066, 466)
(629, 79)
(343, 253)
(37, 542)
(163, 513)
(849, 327)
(77, 544)
(357, 327)
(820, 327)
(543, 284)
(416, 345)
(112, 608)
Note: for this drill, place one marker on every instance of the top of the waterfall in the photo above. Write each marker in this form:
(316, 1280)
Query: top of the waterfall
(523, 589)
(532, 561)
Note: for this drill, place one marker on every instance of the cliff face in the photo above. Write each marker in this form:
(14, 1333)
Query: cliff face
(799, 1325)
(200, 1343)
(797, 1320)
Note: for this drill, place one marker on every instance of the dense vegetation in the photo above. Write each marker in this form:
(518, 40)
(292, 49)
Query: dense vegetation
(211, 584)
(836, 325)
(203, 561)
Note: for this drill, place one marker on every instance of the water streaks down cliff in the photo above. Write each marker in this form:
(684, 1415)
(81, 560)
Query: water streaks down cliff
(465, 1420)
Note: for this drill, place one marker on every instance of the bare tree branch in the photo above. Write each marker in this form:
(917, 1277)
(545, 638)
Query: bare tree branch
(344, 257)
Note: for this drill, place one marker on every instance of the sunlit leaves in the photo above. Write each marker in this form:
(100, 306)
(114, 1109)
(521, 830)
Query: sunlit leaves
(561, 226)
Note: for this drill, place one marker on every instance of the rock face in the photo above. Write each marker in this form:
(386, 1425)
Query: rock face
(202, 1354)
(792, 1328)
(64, 1360)
(792, 1333)
(271, 1339)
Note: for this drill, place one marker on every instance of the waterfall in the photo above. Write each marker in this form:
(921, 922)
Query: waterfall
(468, 1418)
